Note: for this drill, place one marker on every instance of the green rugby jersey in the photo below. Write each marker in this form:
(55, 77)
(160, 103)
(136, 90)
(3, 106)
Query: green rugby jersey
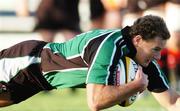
(90, 57)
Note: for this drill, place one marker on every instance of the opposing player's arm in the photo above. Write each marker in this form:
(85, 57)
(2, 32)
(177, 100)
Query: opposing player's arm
(160, 89)
(170, 99)
(103, 96)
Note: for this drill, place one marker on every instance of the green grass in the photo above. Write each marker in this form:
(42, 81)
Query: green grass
(64, 100)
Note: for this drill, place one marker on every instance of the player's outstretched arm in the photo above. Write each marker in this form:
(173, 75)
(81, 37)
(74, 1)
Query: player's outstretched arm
(103, 96)
(169, 99)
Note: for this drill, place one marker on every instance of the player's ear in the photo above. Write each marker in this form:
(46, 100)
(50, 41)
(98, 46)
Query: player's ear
(137, 39)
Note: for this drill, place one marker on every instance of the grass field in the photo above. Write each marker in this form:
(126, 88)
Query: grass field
(64, 100)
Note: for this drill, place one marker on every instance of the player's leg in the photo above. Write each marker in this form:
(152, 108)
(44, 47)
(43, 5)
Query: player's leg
(4, 95)
(20, 72)
(5, 99)
(25, 84)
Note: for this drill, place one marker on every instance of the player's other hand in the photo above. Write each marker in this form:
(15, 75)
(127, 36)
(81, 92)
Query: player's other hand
(141, 79)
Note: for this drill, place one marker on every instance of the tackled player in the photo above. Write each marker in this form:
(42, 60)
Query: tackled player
(90, 60)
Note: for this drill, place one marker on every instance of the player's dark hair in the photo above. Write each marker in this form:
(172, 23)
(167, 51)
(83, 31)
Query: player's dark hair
(149, 27)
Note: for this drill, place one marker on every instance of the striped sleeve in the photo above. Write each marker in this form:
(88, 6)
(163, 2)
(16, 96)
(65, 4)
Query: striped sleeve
(103, 67)
(157, 80)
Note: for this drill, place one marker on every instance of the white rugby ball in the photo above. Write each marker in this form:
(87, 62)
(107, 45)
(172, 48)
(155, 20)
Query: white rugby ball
(126, 72)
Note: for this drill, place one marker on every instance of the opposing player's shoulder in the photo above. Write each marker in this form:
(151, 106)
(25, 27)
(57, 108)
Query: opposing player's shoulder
(152, 67)
(158, 81)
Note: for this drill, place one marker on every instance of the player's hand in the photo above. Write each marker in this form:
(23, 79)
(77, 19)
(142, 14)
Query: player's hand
(141, 79)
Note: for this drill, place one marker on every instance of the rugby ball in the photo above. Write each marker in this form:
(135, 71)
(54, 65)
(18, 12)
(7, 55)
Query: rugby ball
(126, 72)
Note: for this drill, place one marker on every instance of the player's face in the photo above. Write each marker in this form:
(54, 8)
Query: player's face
(148, 50)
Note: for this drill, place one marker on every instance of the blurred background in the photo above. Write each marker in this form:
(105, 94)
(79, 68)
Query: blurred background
(15, 27)
(61, 20)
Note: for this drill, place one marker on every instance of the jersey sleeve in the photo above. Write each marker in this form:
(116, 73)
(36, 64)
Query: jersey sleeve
(103, 67)
(157, 80)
